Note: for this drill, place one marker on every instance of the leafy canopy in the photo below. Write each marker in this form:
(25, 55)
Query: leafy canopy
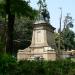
(17, 7)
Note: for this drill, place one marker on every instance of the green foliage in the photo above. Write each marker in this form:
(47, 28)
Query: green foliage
(68, 37)
(22, 33)
(11, 9)
(18, 8)
(9, 66)
(57, 41)
(67, 41)
(23, 28)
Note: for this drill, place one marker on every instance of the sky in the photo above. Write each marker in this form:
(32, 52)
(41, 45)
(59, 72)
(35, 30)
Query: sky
(53, 8)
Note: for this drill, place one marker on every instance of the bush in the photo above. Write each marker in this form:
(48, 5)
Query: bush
(9, 66)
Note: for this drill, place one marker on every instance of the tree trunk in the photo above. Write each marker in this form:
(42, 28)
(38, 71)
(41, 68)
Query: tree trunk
(9, 44)
(10, 28)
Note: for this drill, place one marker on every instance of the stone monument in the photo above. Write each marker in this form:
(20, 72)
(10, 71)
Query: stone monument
(43, 43)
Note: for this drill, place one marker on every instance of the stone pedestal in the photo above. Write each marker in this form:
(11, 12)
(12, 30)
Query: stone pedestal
(43, 43)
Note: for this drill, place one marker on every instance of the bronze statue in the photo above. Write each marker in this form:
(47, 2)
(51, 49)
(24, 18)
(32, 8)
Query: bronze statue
(43, 12)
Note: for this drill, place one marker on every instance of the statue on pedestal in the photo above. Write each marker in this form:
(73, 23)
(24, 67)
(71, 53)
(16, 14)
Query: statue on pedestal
(42, 44)
(43, 12)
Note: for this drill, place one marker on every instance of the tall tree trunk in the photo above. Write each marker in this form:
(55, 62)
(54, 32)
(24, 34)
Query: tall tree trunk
(9, 38)
(9, 44)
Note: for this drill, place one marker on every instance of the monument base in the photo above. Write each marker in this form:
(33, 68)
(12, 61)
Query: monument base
(41, 53)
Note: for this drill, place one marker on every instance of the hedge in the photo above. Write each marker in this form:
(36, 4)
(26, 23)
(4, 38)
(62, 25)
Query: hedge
(10, 66)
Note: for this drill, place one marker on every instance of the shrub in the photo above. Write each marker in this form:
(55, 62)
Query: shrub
(9, 66)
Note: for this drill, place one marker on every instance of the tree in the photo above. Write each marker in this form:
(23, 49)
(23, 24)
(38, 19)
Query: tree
(2, 37)
(68, 37)
(23, 28)
(68, 22)
(67, 34)
(12, 8)
(57, 41)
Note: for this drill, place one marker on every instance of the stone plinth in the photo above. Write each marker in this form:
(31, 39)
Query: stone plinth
(43, 43)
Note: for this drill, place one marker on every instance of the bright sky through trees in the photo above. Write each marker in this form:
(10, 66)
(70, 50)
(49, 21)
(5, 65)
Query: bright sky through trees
(53, 7)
